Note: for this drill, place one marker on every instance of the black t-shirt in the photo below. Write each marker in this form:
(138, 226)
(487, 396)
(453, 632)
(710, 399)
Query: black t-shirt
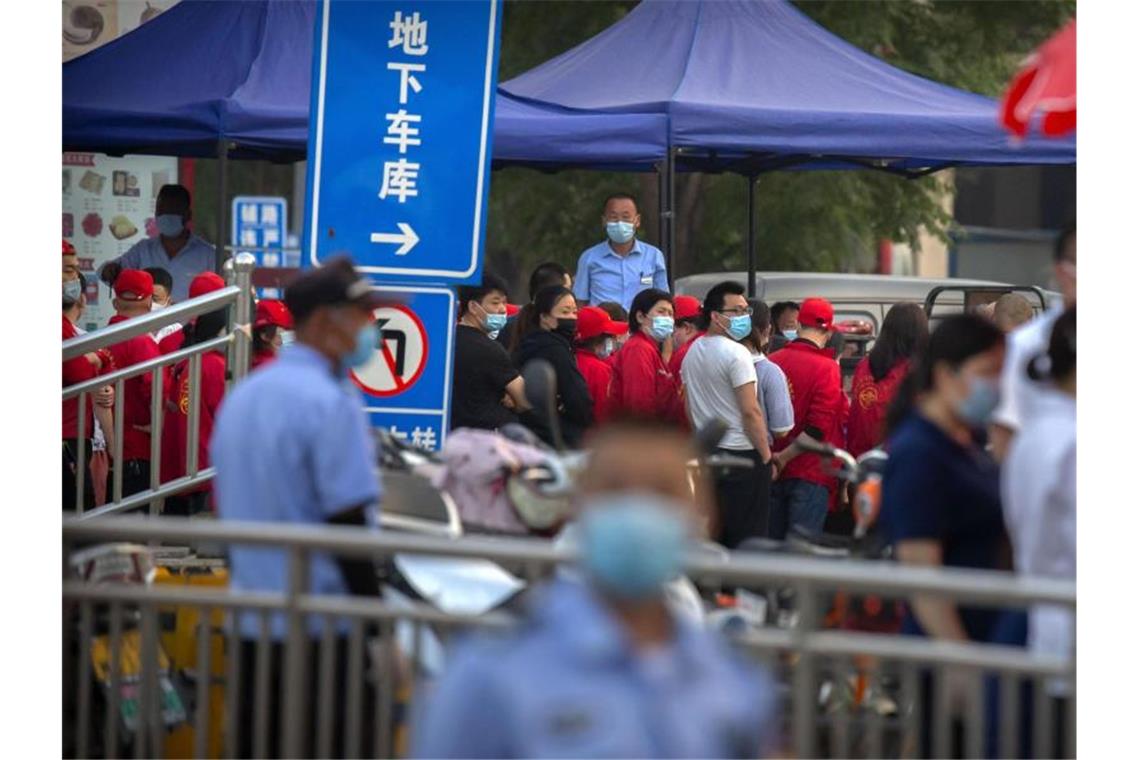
(481, 373)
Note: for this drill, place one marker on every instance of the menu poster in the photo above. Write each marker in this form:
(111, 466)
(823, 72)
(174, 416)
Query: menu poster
(108, 206)
(90, 24)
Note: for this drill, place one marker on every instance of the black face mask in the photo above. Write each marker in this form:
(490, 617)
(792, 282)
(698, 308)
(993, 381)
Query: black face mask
(567, 328)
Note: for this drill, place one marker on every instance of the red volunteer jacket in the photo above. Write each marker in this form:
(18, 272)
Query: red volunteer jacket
(870, 400)
(599, 382)
(679, 356)
(260, 359)
(177, 417)
(817, 405)
(76, 371)
(136, 392)
(643, 385)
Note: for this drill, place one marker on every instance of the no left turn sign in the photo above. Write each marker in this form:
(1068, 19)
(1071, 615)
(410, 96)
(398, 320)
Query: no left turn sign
(400, 357)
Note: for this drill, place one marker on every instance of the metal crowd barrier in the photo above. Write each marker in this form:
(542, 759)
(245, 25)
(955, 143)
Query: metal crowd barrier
(801, 658)
(239, 273)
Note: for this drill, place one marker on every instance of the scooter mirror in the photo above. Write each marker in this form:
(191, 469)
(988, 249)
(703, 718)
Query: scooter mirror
(542, 393)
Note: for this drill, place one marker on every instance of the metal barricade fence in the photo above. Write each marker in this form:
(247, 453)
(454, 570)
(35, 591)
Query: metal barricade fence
(239, 273)
(343, 684)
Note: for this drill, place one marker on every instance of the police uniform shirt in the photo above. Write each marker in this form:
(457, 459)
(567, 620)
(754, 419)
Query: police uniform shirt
(570, 684)
(291, 445)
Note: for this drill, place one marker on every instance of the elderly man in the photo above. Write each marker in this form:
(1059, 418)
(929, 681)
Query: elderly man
(603, 667)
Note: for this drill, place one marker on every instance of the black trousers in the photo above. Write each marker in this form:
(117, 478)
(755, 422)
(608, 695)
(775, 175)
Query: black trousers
(136, 477)
(310, 710)
(70, 474)
(742, 495)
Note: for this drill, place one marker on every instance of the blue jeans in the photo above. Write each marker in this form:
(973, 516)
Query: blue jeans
(796, 502)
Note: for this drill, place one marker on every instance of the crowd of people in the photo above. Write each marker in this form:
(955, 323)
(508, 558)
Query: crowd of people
(977, 417)
(152, 275)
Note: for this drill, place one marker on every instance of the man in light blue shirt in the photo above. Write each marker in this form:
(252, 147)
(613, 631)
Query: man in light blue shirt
(622, 266)
(176, 249)
(603, 667)
(291, 445)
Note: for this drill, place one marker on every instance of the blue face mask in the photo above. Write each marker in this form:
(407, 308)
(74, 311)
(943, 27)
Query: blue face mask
(632, 543)
(791, 334)
(169, 225)
(661, 328)
(979, 404)
(620, 232)
(367, 339)
(72, 289)
(495, 322)
(740, 327)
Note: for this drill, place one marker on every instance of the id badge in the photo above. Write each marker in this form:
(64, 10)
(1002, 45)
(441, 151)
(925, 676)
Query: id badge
(647, 279)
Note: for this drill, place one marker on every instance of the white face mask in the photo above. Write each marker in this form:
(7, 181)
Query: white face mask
(607, 348)
(156, 306)
(286, 337)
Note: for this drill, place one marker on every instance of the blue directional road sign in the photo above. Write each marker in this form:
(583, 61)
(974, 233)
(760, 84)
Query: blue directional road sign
(400, 136)
(259, 225)
(407, 383)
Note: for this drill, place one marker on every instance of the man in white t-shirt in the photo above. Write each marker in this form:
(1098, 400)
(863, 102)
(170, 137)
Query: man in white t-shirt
(1019, 395)
(720, 384)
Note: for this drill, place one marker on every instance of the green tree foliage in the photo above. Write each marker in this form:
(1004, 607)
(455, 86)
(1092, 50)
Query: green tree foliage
(806, 220)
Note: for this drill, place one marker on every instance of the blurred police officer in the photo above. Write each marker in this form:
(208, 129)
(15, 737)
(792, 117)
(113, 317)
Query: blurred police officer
(291, 444)
(602, 667)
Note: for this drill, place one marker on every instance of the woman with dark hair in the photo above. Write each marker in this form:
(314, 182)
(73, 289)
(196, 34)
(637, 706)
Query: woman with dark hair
(941, 492)
(211, 387)
(547, 332)
(643, 384)
(879, 374)
(272, 329)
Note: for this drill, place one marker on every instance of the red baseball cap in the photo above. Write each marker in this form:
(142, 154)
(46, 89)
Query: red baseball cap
(68, 248)
(686, 307)
(593, 322)
(270, 311)
(817, 313)
(206, 282)
(512, 309)
(134, 285)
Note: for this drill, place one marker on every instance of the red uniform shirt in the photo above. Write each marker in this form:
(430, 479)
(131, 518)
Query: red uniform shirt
(261, 358)
(136, 392)
(176, 421)
(171, 343)
(76, 371)
(869, 407)
(599, 382)
(679, 355)
(817, 405)
(643, 385)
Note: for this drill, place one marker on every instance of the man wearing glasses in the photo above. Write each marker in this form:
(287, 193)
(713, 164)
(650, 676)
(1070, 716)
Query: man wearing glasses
(720, 384)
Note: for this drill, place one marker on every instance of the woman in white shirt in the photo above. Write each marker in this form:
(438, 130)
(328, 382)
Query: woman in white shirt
(1039, 487)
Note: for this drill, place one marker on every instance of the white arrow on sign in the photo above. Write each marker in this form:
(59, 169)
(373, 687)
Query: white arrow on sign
(406, 237)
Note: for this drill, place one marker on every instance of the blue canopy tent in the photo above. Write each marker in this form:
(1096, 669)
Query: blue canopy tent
(749, 87)
(239, 88)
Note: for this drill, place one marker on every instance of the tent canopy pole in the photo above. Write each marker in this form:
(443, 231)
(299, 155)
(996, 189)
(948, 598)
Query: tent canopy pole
(751, 238)
(670, 216)
(220, 241)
